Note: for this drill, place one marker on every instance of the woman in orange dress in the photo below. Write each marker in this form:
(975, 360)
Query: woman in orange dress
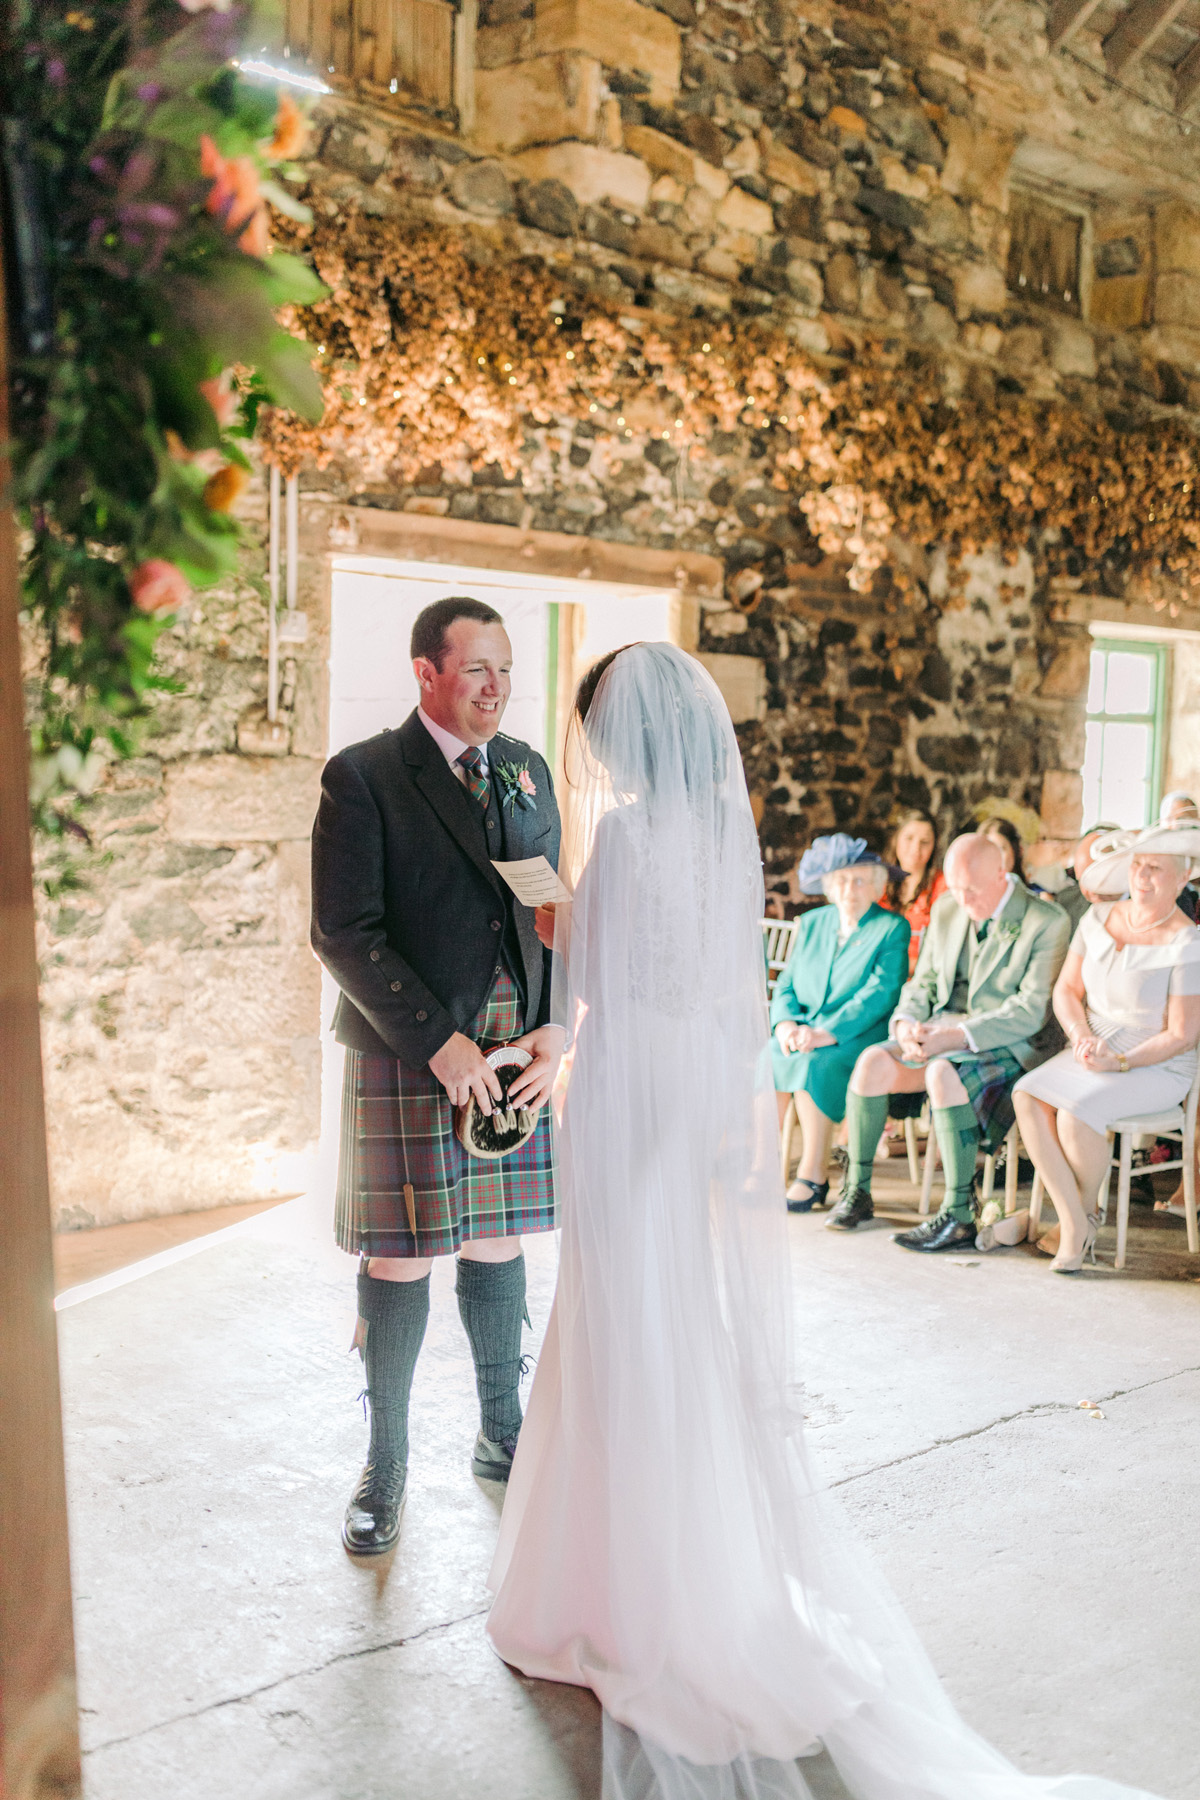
(915, 877)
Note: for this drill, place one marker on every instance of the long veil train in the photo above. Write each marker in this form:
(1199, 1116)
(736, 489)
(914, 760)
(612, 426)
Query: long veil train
(664, 1541)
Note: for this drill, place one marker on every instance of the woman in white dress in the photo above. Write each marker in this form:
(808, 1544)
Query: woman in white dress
(1128, 998)
(664, 1541)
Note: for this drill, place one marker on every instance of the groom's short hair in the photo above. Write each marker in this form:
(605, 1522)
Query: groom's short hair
(433, 622)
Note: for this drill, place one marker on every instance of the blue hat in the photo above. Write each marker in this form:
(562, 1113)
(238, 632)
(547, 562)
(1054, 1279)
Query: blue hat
(826, 854)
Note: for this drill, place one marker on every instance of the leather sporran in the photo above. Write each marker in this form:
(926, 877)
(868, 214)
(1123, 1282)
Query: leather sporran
(507, 1127)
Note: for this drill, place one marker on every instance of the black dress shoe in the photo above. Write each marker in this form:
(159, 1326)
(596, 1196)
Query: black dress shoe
(372, 1522)
(493, 1461)
(853, 1209)
(939, 1234)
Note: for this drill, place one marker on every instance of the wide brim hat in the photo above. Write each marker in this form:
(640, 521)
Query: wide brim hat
(1108, 872)
(825, 855)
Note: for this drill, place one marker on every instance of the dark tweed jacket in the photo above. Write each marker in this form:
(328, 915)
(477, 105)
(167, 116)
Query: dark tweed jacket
(408, 914)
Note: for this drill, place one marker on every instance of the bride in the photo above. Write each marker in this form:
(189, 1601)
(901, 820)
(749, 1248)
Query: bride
(664, 1541)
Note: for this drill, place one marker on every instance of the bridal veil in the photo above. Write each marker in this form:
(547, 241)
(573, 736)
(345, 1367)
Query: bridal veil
(664, 1540)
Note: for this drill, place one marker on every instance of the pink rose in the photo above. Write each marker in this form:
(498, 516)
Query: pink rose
(219, 393)
(525, 782)
(158, 586)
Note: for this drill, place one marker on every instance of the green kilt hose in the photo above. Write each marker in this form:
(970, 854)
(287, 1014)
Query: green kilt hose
(398, 1130)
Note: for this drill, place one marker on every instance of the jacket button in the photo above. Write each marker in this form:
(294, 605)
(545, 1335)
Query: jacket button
(491, 824)
(374, 956)
(396, 986)
(496, 925)
(499, 969)
(421, 1017)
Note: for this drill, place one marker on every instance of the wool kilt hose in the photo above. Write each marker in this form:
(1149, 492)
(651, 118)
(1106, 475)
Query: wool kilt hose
(398, 1129)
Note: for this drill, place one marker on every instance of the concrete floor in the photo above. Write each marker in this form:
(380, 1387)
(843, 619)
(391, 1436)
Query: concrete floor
(227, 1647)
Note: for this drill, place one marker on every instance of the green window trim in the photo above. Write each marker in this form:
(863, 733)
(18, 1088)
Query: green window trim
(1156, 716)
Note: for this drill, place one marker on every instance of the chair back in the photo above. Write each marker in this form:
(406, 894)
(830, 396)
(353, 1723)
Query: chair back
(778, 937)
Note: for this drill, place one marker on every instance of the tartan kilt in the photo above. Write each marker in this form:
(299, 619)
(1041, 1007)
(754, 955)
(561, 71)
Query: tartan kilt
(989, 1079)
(398, 1127)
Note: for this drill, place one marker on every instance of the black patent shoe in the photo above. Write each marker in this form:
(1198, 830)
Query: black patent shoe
(853, 1209)
(938, 1234)
(491, 1461)
(372, 1522)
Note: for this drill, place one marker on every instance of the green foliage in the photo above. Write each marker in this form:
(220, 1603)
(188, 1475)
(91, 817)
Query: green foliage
(143, 298)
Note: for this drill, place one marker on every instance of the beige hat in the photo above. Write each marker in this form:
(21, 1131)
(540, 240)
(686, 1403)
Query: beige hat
(1108, 872)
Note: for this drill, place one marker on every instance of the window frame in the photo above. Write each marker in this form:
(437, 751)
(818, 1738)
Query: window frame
(1160, 655)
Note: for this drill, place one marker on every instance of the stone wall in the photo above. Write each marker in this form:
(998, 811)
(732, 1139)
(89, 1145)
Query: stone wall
(837, 173)
(180, 999)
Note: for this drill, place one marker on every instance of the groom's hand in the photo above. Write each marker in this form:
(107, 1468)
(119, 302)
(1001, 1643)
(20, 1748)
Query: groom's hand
(533, 1087)
(463, 1070)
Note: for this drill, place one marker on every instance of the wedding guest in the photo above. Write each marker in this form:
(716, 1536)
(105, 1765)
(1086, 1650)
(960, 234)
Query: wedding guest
(915, 879)
(1007, 840)
(833, 997)
(1176, 806)
(1128, 999)
(1075, 896)
(969, 1023)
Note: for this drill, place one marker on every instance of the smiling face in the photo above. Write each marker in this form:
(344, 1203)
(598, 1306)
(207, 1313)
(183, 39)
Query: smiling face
(914, 846)
(468, 694)
(1155, 882)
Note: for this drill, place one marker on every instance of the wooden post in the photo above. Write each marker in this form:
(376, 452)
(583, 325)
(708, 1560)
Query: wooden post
(39, 1733)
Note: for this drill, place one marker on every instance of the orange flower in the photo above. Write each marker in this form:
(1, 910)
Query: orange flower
(234, 197)
(158, 586)
(223, 488)
(290, 130)
(255, 240)
(218, 391)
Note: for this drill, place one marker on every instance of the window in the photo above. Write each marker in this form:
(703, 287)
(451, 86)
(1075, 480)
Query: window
(1122, 763)
(400, 52)
(1043, 253)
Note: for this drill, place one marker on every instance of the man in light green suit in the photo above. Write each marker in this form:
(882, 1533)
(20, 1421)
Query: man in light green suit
(975, 1015)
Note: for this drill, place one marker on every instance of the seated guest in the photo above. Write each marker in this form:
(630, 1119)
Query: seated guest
(972, 1019)
(834, 996)
(1007, 840)
(1075, 896)
(1177, 806)
(914, 879)
(1128, 999)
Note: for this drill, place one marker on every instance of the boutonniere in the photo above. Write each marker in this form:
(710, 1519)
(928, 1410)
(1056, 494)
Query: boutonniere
(1008, 928)
(518, 785)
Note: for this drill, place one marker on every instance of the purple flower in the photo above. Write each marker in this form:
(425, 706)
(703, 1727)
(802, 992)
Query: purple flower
(56, 72)
(149, 90)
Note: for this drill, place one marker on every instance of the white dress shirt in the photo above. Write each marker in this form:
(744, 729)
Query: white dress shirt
(452, 747)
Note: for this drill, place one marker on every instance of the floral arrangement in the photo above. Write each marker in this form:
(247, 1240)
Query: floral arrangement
(139, 170)
(435, 351)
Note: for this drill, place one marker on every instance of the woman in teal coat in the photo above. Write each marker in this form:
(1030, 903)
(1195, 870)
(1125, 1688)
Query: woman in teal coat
(834, 997)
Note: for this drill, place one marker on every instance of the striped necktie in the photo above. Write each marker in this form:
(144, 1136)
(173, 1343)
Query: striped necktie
(472, 763)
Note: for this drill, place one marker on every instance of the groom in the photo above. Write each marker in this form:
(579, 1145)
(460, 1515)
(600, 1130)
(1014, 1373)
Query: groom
(437, 962)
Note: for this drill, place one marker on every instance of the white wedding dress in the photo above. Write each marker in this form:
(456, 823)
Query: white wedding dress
(664, 1541)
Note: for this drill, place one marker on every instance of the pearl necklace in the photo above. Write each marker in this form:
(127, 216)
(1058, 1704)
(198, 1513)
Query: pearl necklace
(1152, 926)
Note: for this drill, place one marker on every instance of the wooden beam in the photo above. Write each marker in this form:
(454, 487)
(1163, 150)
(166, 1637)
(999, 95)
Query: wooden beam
(1066, 18)
(1137, 32)
(39, 1737)
(1187, 78)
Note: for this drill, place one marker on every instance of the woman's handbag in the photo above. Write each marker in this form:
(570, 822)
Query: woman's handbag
(507, 1127)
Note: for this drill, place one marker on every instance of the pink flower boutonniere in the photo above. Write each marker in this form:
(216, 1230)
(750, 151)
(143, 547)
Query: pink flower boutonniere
(519, 786)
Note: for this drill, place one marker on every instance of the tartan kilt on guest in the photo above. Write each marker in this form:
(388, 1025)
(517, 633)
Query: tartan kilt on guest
(989, 1079)
(398, 1127)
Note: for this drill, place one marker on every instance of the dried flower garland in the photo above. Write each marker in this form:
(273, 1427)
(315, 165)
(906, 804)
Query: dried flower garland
(138, 170)
(436, 351)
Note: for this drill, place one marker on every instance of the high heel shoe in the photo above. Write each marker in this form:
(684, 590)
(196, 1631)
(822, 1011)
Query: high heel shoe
(1088, 1250)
